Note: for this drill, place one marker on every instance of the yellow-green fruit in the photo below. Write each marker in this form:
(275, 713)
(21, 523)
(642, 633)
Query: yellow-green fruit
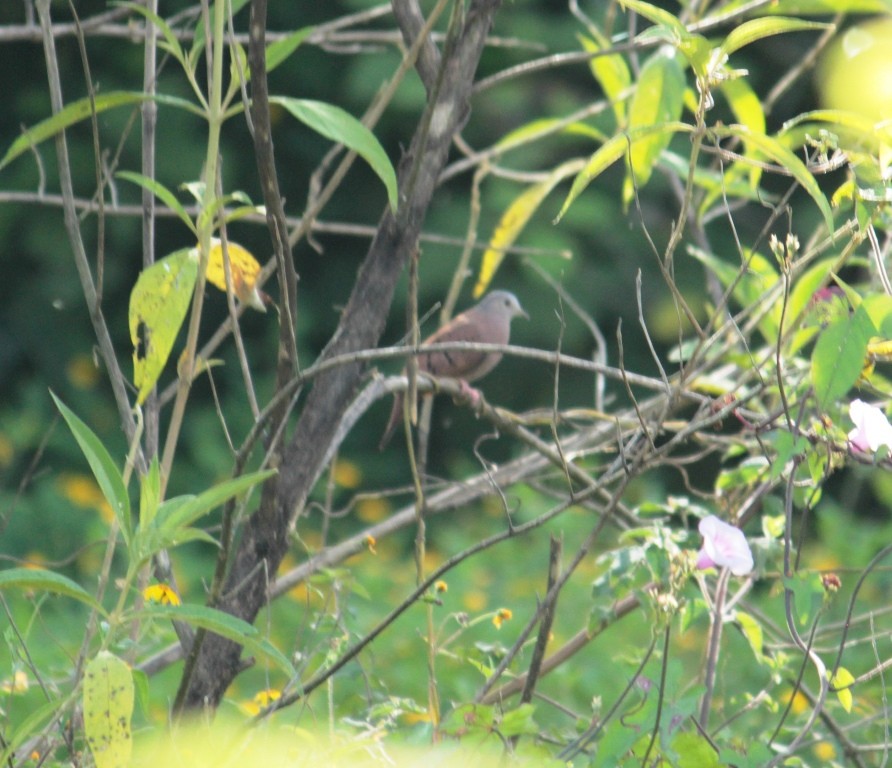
(855, 74)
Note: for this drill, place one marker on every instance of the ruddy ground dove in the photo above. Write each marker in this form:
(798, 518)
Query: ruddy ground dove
(489, 322)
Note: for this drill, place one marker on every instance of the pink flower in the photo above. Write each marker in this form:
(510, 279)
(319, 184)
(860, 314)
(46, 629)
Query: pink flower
(724, 546)
(872, 428)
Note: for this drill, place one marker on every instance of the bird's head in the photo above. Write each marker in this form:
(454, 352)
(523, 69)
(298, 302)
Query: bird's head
(504, 303)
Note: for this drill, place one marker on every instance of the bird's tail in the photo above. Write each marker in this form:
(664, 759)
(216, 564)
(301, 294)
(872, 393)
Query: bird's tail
(396, 413)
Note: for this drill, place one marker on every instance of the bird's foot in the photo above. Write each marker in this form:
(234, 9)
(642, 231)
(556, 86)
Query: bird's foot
(467, 392)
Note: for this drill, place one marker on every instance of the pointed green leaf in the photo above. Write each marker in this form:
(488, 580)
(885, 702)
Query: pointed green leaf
(777, 152)
(46, 581)
(658, 16)
(158, 305)
(106, 472)
(280, 50)
(612, 74)
(65, 118)
(609, 153)
(162, 193)
(839, 355)
(747, 109)
(766, 26)
(225, 625)
(150, 494)
(80, 110)
(108, 710)
(542, 127)
(171, 43)
(183, 511)
(338, 125)
(658, 100)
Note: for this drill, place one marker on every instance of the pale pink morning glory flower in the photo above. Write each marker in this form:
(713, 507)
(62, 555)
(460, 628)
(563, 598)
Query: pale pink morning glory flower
(872, 428)
(724, 546)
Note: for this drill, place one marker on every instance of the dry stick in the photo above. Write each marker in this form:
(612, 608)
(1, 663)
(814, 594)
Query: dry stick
(620, 609)
(535, 668)
(264, 153)
(214, 51)
(600, 354)
(716, 624)
(103, 338)
(97, 154)
(546, 622)
(664, 665)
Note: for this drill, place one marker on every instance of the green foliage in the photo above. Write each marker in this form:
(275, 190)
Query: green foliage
(697, 355)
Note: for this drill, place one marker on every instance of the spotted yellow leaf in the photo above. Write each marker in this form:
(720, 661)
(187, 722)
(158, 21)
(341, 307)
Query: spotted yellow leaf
(158, 305)
(243, 269)
(108, 709)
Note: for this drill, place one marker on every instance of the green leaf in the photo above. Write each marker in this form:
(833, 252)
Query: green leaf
(609, 153)
(658, 100)
(108, 710)
(813, 7)
(519, 722)
(183, 511)
(222, 624)
(279, 51)
(777, 152)
(170, 526)
(752, 631)
(106, 472)
(35, 721)
(839, 355)
(808, 595)
(150, 494)
(658, 16)
(81, 110)
(171, 44)
(766, 26)
(46, 581)
(786, 446)
(162, 193)
(694, 751)
(340, 126)
(158, 305)
(65, 118)
(540, 128)
(612, 74)
(747, 109)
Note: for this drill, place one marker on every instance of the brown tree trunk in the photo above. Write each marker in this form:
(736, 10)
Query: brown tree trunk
(448, 76)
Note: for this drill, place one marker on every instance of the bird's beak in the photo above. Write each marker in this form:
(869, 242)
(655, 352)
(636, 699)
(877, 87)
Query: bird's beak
(523, 314)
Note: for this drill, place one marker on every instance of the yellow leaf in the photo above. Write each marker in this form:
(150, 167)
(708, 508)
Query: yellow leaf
(842, 681)
(108, 709)
(243, 269)
(515, 219)
(158, 305)
(880, 349)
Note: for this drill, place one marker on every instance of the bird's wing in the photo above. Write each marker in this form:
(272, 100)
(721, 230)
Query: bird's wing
(459, 363)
